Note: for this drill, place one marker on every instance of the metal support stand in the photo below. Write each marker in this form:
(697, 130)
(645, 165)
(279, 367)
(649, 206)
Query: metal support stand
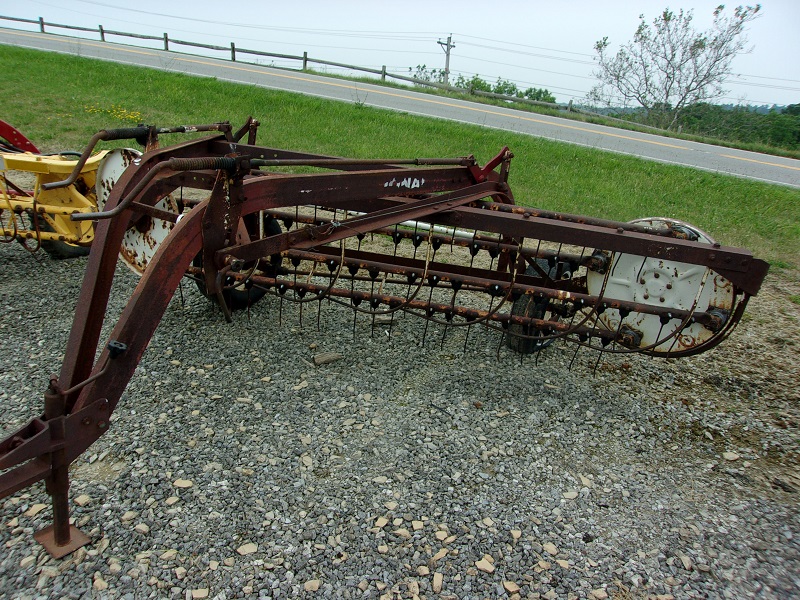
(60, 538)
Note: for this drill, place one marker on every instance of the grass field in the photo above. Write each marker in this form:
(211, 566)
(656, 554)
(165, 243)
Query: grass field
(60, 101)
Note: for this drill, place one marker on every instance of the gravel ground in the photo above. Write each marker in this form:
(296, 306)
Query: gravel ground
(236, 468)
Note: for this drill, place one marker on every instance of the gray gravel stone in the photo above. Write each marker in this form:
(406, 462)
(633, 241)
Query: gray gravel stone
(614, 481)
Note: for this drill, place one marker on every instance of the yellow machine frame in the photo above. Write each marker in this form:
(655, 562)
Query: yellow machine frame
(43, 215)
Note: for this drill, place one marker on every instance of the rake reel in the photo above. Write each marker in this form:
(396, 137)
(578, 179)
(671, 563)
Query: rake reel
(437, 238)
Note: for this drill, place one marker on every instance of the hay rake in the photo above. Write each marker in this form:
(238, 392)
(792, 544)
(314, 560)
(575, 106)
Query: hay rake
(437, 238)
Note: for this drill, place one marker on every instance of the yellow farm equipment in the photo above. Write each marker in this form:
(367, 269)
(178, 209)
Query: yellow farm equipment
(34, 212)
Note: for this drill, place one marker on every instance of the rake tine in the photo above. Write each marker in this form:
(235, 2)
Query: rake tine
(444, 334)
(500, 345)
(600, 352)
(574, 356)
(491, 303)
(372, 327)
(639, 274)
(425, 331)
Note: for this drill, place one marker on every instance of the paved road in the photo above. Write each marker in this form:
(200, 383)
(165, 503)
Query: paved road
(750, 165)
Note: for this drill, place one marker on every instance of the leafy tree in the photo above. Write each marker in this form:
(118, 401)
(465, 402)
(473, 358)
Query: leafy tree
(743, 124)
(539, 94)
(476, 83)
(506, 88)
(473, 83)
(670, 65)
(424, 74)
(792, 109)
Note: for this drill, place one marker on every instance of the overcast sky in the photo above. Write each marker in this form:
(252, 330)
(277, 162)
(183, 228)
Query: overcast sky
(535, 43)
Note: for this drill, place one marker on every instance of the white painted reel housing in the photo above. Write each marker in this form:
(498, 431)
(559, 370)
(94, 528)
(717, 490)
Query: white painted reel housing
(664, 284)
(145, 235)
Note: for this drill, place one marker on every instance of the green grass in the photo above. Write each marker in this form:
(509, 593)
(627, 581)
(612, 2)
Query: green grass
(60, 101)
(575, 116)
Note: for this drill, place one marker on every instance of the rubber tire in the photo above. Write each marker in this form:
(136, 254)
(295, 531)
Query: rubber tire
(63, 250)
(60, 250)
(237, 299)
(528, 306)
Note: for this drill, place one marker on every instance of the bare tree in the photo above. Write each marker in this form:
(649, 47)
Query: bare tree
(670, 65)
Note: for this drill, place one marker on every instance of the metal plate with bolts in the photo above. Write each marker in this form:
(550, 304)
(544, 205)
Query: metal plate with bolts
(144, 236)
(666, 284)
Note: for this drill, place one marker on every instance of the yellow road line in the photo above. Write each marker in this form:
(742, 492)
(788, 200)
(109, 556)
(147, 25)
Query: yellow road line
(761, 162)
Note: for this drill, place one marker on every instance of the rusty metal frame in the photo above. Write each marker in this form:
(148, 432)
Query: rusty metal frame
(374, 196)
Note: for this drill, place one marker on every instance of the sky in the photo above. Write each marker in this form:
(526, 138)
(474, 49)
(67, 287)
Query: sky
(534, 43)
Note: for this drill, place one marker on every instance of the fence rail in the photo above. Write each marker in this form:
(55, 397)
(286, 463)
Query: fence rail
(305, 60)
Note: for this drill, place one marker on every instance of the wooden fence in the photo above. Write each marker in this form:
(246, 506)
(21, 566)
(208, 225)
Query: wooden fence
(303, 60)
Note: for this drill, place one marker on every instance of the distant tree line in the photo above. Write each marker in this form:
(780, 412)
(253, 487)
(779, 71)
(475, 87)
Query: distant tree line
(503, 86)
(778, 127)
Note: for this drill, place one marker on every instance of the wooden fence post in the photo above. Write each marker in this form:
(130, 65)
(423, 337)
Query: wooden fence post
(305, 60)
(102, 33)
(233, 52)
(383, 73)
(41, 25)
(166, 42)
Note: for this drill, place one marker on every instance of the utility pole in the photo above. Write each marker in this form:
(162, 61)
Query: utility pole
(447, 46)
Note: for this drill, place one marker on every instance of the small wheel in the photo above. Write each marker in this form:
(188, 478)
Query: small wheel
(144, 234)
(240, 297)
(536, 308)
(664, 284)
(60, 250)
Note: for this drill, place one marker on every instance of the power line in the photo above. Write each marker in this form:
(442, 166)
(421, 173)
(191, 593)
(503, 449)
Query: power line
(534, 54)
(410, 38)
(398, 35)
(494, 62)
(245, 39)
(517, 45)
(765, 85)
(765, 77)
(739, 101)
(523, 84)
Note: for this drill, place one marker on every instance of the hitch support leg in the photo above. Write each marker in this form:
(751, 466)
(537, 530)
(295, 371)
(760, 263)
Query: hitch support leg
(60, 538)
